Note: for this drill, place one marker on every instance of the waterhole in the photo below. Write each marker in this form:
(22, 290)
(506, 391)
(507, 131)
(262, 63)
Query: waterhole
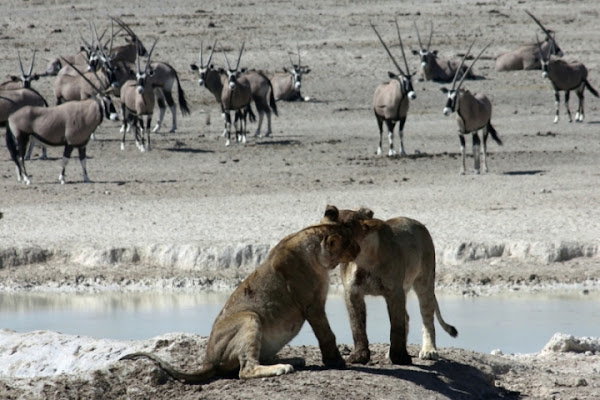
(513, 323)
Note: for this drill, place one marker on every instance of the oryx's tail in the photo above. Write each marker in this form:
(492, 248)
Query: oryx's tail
(11, 144)
(183, 105)
(494, 134)
(591, 89)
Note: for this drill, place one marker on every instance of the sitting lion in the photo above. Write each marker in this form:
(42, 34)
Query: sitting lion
(397, 256)
(270, 306)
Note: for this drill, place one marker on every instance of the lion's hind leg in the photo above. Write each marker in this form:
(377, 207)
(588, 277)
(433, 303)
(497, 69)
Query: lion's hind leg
(248, 342)
(425, 294)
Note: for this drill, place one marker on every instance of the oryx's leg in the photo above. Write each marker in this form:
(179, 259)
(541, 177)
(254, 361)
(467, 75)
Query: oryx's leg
(557, 104)
(484, 148)
(147, 130)
(579, 115)
(227, 131)
(462, 152)
(476, 152)
(380, 125)
(82, 160)
(162, 108)
(173, 109)
(567, 95)
(390, 127)
(32, 144)
(401, 135)
(123, 129)
(22, 142)
(261, 115)
(65, 160)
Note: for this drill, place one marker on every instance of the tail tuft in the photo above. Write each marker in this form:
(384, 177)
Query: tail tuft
(494, 134)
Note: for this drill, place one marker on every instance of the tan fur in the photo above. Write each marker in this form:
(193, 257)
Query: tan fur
(268, 309)
(396, 257)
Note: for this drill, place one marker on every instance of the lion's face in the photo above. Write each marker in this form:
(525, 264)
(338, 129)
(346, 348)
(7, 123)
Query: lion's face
(337, 248)
(360, 222)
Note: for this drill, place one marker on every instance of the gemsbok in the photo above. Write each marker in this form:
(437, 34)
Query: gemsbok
(287, 84)
(235, 96)
(137, 102)
(24, 79)
(473, 112)
(391, 100)
(566, 76)
(70, 125)
(434, 68)
(528, 57)
(127, 52)
(263, 97)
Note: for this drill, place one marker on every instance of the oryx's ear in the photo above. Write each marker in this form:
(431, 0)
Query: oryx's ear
(194, 67)
(285, 69)
(244, 70)
(444, 90)
(366, 212)
(15, 78)
(221, 70)
(435, 52)
(82, 48)
(35, 77)
(331, 213)
(306, 70)
(415, 52)
(391, 74)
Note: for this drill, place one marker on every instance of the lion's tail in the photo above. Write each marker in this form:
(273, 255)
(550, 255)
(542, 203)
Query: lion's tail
(447, 327)
(189, 378)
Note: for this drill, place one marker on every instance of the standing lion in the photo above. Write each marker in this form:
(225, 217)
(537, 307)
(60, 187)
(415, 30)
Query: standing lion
(397, 256)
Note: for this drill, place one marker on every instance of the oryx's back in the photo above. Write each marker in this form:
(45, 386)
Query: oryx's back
(475, 111)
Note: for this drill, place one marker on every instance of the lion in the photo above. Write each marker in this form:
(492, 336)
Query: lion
(267, 310)
(394, 258)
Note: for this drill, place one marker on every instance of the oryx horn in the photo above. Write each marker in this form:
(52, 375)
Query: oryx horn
(401, 46)
(83, 76)
(462, 62)
(546, 31)
(471, 66)
(386, 49)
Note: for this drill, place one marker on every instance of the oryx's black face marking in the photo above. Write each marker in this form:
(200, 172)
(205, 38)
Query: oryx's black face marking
(451, 102)
(406, 86)
(110, 111)
(232, 78)
(296, 73)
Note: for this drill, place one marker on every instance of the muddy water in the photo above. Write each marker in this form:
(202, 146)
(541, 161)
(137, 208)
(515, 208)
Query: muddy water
(515, 323)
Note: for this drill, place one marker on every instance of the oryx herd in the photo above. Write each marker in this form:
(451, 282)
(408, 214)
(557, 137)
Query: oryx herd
(473, 110)
(89, 84)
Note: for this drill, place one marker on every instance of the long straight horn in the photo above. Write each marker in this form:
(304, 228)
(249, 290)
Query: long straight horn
(546, 31)
(20, 64)
(32, 61)
(83, 76)
(462, 62)
(418, 36)
(387, 50)
(471, 66)
(401, 46)
(211, 53)
(290, 58)
(237, 65)
(150, 55)
(226, 60)
(430, 34)
(298, 50)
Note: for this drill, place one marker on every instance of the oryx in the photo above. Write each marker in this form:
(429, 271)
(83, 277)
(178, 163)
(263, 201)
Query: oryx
(22, 98)
(566, 76)
(137, 102)
(473, 112)
(235, 96)
(24, 79)
(86, 58)
(263, 97)
(70, 125)
(127, 52)
(287, 84)
(528, 57)
(391, 100)
(434, 68)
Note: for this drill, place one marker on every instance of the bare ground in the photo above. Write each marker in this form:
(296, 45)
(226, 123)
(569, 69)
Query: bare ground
(192, 213)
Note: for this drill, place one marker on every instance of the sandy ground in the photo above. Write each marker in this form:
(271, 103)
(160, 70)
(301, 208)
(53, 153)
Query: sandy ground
(193, 213)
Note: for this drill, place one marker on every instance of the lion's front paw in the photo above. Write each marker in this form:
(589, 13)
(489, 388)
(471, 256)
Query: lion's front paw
(431, 354)
(336, 362)
(400, 358)
(359, 357)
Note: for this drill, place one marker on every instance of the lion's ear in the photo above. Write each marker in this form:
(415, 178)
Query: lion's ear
(370, 225)
(366, 212)
(331, 213)
(333, 242)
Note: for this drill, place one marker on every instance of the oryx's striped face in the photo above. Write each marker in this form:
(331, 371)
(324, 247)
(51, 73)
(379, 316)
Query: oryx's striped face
(451, 102)
(424, 54)
(232, 76)
(406, 86)
(296, 73)
(140, 82)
